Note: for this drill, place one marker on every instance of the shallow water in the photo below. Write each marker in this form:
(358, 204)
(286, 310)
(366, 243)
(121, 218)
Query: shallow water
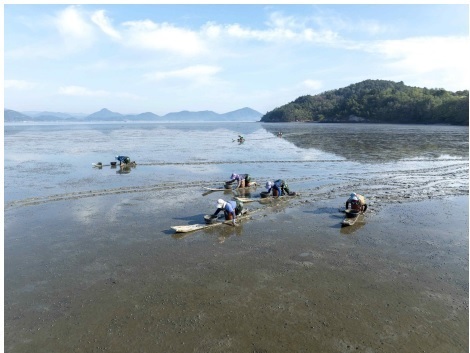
(91, 263)
(47, 161)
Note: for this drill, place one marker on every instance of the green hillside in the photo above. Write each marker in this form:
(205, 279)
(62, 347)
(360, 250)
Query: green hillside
(377, 101)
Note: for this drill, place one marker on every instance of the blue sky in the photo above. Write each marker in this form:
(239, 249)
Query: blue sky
(166, 58)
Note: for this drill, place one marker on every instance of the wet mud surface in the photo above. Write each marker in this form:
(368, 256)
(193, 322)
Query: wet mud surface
(109, 275)
(91, 263)
(378, 145)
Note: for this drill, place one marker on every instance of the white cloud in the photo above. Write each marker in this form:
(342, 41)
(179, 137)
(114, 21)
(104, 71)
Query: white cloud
(286, 28)
(81, 91)
(211, 30)
(19, 84)
(150, 35)
(426, 54)
(197, 73)
(327, 20)
(279, 20)
(74, 28)
(163, 37)
(428, 60)
(85, 92)
(271, 35)
(78, 29)
(371, 27)
(282, 31)
(75, 32)
(104, 23)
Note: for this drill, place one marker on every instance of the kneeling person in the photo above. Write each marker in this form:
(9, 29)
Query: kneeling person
(278, 187)
(242, 180)
(231, 209)
(123, 159)
(357, 202)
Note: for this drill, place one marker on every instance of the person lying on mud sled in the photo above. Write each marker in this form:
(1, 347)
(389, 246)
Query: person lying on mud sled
(278, 187)
(243, 181)
(231, 209)
(357, 202)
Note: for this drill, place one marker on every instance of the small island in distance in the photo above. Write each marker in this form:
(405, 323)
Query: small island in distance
(377, 101)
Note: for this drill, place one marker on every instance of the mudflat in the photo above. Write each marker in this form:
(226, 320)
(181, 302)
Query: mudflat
(91, 263)
(107, 273)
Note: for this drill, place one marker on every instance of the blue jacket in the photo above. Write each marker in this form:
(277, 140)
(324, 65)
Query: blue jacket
(278, 184)
(229, 207)
(122, 158)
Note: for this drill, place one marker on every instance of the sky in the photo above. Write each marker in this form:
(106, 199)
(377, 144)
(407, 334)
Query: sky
(220, 57)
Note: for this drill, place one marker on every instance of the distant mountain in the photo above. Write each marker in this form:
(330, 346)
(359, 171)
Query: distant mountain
(244, 114)
(14, 116)
(148, 116)
(185, 115)
(377, 101)
(56, 115)
(104, 114)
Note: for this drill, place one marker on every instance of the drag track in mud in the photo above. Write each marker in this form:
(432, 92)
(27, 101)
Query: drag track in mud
(391, 186)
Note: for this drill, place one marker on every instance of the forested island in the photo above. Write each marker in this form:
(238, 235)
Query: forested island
(377, 101)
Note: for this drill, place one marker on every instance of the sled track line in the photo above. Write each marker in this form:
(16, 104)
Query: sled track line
(387, 186)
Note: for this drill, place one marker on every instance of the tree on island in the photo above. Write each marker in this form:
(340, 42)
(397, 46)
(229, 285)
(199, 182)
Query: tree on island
(377, 101)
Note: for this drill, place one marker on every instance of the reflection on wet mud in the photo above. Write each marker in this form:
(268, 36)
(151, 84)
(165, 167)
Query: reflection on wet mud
(233, 231)
(246, 193)
(375, 143)
(124, 170)
(222, 232)
(347, 230)
(225, 192)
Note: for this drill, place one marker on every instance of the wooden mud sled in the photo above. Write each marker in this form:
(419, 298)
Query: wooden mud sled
(199, 226)
(230, 188)
(351, 217)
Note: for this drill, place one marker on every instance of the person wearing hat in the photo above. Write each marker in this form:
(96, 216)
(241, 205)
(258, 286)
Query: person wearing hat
(243, 180)
(279, 187)
(123, 159)
(231, 209)
(357, 202)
